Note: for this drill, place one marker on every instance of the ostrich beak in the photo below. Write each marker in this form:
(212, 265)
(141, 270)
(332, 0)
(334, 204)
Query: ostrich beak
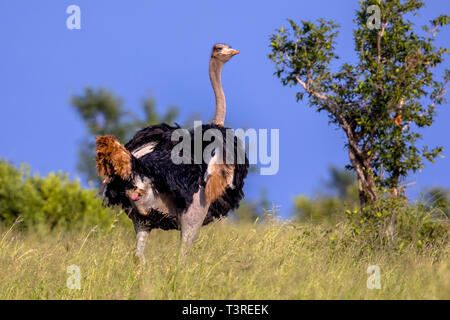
(233, 51)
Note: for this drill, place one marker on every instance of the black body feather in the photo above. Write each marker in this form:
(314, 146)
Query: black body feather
(180, 180)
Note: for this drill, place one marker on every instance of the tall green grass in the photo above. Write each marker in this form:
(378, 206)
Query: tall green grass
(228, 261)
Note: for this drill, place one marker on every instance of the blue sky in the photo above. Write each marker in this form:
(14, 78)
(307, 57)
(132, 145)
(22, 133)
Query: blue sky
(134, 48)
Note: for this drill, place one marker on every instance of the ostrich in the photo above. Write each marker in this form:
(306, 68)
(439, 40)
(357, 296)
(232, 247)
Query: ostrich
(157, 193)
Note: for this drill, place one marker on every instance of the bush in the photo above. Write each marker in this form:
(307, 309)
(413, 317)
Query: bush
(319, 210)
(438, 198)
(50, 202)
(338, 193)
(392, 223)
(398, 224)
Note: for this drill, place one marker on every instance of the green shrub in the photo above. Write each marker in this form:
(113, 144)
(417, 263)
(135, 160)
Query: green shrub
(338, 193)
(438, 198)
(51, 202)
(319, 210)
(398, 224)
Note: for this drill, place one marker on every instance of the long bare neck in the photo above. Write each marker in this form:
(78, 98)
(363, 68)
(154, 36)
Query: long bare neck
(215, 73)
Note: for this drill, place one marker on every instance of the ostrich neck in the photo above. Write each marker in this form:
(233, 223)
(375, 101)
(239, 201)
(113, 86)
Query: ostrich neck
(215, 73)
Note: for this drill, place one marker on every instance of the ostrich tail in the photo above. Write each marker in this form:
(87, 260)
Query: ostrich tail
(112, 158)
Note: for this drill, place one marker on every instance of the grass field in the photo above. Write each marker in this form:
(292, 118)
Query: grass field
(228, 261)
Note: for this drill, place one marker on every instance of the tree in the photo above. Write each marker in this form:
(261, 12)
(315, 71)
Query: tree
(341, 182)
(338, 193)
(251, 210)
(438, 198)
(103, 113)
(380, 102)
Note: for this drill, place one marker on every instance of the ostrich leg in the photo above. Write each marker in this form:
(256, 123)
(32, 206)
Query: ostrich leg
(192, 219)
(141, 238)
(142, 229)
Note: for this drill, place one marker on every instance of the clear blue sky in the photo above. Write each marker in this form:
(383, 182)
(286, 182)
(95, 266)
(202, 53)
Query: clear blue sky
(161, 47)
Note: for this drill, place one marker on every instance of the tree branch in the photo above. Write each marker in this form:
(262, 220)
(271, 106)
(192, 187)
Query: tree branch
(308, 89)
(333, 110)
(379, 37)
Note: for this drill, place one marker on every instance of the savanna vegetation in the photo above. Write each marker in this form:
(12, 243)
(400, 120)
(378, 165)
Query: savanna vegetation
(51, 223)
(361, 217)
(228, 261)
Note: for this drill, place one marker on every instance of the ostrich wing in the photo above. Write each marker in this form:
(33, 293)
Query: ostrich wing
(181, 180)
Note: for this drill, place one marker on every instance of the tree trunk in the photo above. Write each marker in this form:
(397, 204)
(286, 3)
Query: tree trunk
(366, 181)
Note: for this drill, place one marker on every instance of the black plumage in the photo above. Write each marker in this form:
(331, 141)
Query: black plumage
(181, 181)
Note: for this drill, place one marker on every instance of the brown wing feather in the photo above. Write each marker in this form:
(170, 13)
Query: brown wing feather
(112, 157)
(220, 178)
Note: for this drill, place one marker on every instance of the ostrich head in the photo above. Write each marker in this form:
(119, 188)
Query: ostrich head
(223, 52)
